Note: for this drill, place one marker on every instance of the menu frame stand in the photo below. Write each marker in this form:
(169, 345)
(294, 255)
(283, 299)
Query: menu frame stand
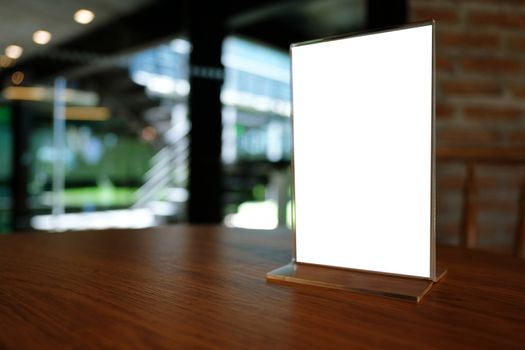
(402, 287)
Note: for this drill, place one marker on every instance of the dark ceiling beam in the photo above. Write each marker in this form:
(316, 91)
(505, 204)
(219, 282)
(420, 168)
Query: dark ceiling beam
(382, 13)
(281, 24)
(264, 12)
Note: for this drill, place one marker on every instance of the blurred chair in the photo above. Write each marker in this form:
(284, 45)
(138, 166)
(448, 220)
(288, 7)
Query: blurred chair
(473, 157)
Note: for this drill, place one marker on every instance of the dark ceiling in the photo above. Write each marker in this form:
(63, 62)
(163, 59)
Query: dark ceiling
(125, 27)
(90, 56)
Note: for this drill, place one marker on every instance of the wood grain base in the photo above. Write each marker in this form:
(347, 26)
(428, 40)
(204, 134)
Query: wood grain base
(397, 287)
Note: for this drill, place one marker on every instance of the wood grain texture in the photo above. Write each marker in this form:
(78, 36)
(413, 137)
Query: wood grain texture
(519, 239)
(204, 287)
(482, 154)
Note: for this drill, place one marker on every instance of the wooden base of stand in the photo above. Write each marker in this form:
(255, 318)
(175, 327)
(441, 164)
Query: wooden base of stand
(397, 287)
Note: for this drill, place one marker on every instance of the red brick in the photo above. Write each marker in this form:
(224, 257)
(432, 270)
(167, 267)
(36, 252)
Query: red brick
(504, 174)
(444, 64)
(499, 2)
(451, 182)
(465, 136)
(485, 112)
(517, 43)
(444, 110)
(518, 91)
(486, 182)
(498, 19)
(496, 235)
(517, 138)
(470, 88)
(491, 65)
(447, 199)
(441, 15)
(470, 40)
(494, 182)
(448, 230)
(496, 204)
(493, 245)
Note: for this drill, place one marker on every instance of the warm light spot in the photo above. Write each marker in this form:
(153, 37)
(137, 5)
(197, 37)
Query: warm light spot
(87, 113)
(14, 51)
(17, 78)
(149, 133)
(41, 37)
(41, 93)
(27, 93)
(84, 16)
(5, 61)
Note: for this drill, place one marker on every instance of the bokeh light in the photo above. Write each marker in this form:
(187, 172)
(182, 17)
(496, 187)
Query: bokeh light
(14, 51)
(17, 78)
(41, 37)
(84, 16)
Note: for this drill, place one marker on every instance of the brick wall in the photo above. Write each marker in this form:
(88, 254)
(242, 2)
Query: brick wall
(480, 102)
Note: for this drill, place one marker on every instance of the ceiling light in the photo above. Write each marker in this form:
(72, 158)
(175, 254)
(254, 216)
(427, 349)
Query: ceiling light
(181, 46)
(13, 51)
(84, 16)
(41, 37)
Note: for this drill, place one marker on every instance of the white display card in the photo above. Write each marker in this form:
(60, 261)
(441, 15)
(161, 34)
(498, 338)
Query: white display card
(363, 151)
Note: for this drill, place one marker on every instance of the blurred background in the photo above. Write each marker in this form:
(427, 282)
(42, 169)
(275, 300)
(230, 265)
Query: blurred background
(130, 114)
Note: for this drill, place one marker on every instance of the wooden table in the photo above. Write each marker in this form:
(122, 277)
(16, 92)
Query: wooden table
(204, 287)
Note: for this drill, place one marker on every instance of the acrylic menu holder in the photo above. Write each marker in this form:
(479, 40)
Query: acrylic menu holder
(363, 163)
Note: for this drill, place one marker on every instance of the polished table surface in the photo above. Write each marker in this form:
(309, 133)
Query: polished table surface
(180, 287)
